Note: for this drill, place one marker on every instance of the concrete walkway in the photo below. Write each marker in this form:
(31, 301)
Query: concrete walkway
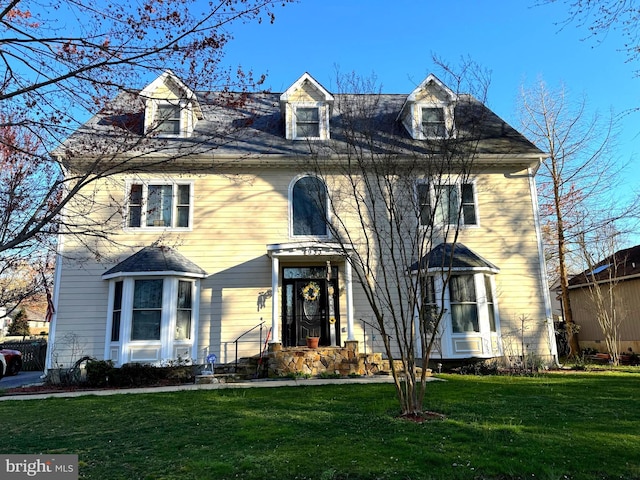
(267, 383)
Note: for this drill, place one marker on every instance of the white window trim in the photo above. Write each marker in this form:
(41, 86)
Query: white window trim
(449, 124)
(292, 236)
(167, 343)
(185, 118)
(445, 329)
(323, 120)
(432, 197)
(143, 215)
(481, 301)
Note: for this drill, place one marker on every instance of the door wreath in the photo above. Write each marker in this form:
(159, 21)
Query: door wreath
(311, 292)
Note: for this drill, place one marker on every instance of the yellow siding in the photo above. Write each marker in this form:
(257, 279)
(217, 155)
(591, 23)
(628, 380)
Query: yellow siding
(306, 93)
(237, 216)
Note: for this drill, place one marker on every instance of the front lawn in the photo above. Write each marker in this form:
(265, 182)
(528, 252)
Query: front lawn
(572, 426)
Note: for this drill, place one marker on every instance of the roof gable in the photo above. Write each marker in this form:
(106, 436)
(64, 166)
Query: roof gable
(305, 88)
(169, 87)
(432, 89)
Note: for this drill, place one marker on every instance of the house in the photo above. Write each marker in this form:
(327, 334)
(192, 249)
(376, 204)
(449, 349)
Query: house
(621, 273)
(218, 246)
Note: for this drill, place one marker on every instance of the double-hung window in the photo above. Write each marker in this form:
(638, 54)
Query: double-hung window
(184, 310)
(433, 122)
(429, 310)
(446, 204)
(471, 300)
(167, 120)
(147, 309)
(166, 205)
(464, 305)
(307, 122)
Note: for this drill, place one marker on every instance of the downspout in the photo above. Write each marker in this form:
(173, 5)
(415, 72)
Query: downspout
(56, 288)
(543, 265)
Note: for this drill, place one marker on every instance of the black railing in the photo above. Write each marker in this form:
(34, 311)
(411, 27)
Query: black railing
(374, 328)
(245, 333)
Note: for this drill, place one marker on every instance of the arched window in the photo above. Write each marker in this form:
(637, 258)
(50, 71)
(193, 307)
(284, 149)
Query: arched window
(309, 207)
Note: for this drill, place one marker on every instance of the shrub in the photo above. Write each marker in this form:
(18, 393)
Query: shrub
(102, 373)
(99, 372)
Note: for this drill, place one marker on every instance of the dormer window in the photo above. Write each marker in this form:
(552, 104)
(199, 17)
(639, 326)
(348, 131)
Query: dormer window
(428, 112)
(307, 122)
(171, 108)
(167, 119)
(433, 122)
(306, 110)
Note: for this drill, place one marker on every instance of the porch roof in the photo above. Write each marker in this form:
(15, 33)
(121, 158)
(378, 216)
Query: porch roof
(308, 249)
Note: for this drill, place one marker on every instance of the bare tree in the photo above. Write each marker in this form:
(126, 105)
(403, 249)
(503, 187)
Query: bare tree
(575, 182)
(64, 61)
(601, 279)
(392, 203)
(601, 16)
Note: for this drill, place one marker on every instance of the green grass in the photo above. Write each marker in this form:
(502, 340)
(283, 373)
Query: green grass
(575, 426)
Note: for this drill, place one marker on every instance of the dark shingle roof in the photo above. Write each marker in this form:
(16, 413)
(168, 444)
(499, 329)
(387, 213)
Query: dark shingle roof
(252, 125)
(156, 259)
(623, 263)
(453, 255)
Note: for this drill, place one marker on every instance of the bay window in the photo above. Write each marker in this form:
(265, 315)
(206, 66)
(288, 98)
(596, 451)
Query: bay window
(152, 319)
(460, 285)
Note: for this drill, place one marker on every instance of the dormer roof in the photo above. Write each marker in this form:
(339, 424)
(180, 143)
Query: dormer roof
(432, 88)
(305, 88)
(428, 111)
(169, 87)
(306, 107)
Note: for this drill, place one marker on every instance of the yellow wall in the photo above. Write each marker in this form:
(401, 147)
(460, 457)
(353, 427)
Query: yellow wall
(237, 215)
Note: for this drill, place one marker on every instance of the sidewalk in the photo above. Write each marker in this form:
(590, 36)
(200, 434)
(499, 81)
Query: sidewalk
(263, 383)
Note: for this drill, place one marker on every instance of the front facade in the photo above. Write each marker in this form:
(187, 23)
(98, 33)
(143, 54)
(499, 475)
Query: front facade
(225, 248)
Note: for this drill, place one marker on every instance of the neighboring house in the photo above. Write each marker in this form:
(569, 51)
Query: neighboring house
(224, 237)
(621, 272)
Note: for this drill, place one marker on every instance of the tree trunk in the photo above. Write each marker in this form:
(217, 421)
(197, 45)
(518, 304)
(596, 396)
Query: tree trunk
(571, 328)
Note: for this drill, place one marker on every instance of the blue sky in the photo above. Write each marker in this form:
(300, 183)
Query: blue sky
(516, 40)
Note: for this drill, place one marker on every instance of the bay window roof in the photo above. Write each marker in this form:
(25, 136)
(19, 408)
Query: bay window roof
(454, 256)
(155, 260)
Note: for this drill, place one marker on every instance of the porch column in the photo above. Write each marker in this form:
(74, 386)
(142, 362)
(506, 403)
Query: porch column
(348, 286)
(275, 324)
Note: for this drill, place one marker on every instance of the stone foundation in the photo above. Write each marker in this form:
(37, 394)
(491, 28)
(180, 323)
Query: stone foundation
(343, 361)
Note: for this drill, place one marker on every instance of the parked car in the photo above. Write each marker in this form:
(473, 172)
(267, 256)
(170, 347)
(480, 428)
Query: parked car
(13, 361)
(3, 365)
